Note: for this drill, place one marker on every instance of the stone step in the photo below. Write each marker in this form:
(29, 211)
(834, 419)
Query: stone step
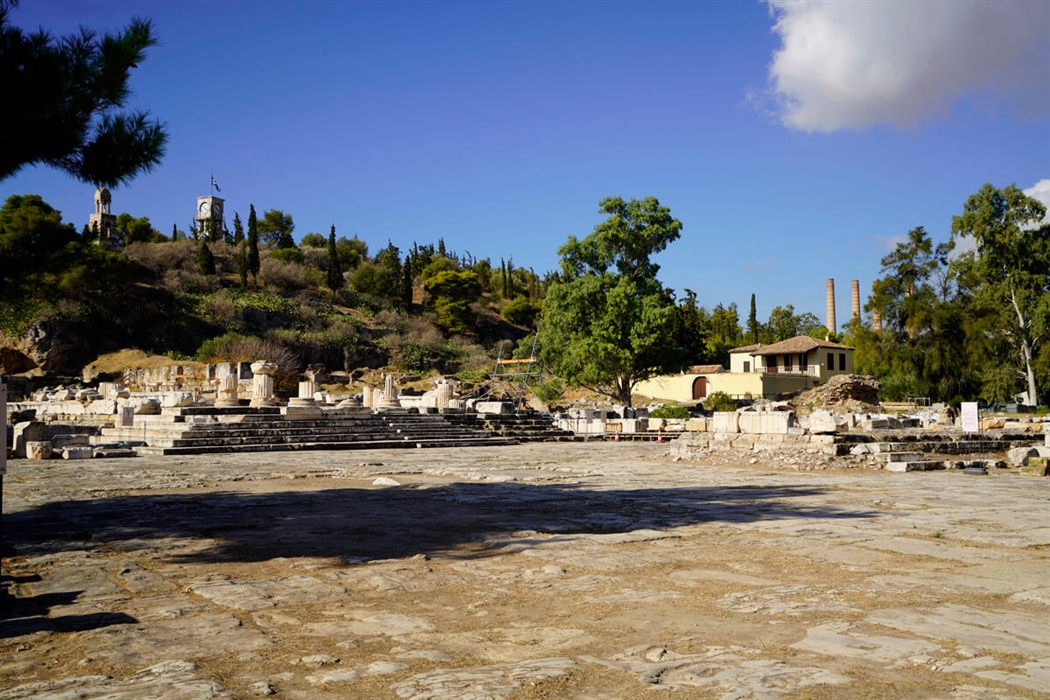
(357, 445)
(271, 439)
(914, 466)
(901, 456)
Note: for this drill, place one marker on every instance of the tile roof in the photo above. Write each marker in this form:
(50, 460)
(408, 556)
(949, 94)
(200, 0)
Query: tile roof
(706, 369)
(798, 344)
(745, 348)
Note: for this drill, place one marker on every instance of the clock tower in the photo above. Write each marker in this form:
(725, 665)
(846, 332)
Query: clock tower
(209, 213)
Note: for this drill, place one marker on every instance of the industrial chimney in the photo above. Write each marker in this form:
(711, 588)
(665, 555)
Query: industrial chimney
(856, 301)
(831, 305)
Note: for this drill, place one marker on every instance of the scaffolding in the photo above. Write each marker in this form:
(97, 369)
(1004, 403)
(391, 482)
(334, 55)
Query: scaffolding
(511, 378)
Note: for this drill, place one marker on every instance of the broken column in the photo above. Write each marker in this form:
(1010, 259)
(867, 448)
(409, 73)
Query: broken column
(389, 395)
(304, 405)
(262, 383)
(227, 395)
(442, 394)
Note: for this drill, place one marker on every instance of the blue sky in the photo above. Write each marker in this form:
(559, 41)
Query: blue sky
(795, 141)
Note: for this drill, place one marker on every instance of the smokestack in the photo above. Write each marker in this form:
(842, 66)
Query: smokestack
(876, 317)
(856, 300)
(831, 305)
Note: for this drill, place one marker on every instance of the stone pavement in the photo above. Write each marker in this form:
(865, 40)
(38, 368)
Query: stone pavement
(569, 570)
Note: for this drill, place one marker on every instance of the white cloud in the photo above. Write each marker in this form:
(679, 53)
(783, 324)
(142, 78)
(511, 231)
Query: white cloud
(887, 244)
(850, 65)
(1041, 191)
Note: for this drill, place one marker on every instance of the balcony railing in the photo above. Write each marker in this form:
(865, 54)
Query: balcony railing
(811, 371)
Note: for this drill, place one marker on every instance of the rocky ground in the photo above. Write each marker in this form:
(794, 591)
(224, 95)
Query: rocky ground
(577, 570)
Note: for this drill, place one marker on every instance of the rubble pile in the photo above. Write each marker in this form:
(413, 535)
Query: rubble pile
(846, 390)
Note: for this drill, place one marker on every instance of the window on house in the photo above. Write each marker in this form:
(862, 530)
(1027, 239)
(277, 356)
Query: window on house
(747, 365)
(842, 360)
(831, 360)
(803, 363)
(772, 362)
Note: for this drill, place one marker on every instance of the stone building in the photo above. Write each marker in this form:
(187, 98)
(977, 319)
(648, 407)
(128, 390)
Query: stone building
(757, 371)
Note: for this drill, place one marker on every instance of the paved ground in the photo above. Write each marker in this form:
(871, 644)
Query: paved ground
(538, 571)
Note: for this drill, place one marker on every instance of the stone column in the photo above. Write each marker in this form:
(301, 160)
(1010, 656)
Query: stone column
(389, 399)
(227, 395)
(304, 405)
(442, 394)
(262, 383)
(366, 397)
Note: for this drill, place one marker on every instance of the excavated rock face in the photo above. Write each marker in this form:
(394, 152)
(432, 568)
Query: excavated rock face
(842, 390)
(45, 345)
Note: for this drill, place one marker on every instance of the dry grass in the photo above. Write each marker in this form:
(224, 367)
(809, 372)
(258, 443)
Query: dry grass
(135, 359)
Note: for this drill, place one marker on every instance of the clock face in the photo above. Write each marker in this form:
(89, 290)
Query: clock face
(205, 209)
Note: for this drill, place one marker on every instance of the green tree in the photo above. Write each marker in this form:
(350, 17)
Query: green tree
(313, 240)
(725, 334)
(205, 258)
(351, 252)
(64, 97)
(35, 247)
(1011, 263)
(238, 229)
(784, 323)
(132, 230)
(452, 293)
(693, 327)
(752, 323)
(275, 229)
(607, 322)
(335, 272)
(253, 244)
(242, 264)
(521, 311)
(47, 270)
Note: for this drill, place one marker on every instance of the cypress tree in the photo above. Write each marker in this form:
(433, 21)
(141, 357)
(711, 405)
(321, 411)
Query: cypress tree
(335, 274)
(238, 229)
(752, 323)
(242, 265)
(253, 243)
(205, 259)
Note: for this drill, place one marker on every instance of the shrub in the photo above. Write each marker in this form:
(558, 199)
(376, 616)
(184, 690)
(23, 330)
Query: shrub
(673, 412)
(234, 347)
(521, 312)
(160, 258)
(549, 392)
(288, 255)
(719, 401)
(288, 276)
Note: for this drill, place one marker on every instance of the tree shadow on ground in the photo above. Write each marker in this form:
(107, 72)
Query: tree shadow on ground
(20, 616)
(355, 524)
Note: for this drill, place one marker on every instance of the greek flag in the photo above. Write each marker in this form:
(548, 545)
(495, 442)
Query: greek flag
(215, 184)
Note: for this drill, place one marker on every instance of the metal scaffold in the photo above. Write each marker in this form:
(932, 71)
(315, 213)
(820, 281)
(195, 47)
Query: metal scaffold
(511, 378)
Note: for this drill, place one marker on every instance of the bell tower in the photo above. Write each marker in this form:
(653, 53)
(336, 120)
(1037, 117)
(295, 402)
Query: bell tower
(103, 223)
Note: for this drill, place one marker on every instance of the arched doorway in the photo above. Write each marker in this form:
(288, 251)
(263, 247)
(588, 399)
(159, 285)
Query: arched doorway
(699, 388)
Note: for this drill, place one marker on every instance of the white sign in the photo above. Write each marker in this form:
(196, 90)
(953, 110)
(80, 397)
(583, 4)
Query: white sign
(970, 422)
